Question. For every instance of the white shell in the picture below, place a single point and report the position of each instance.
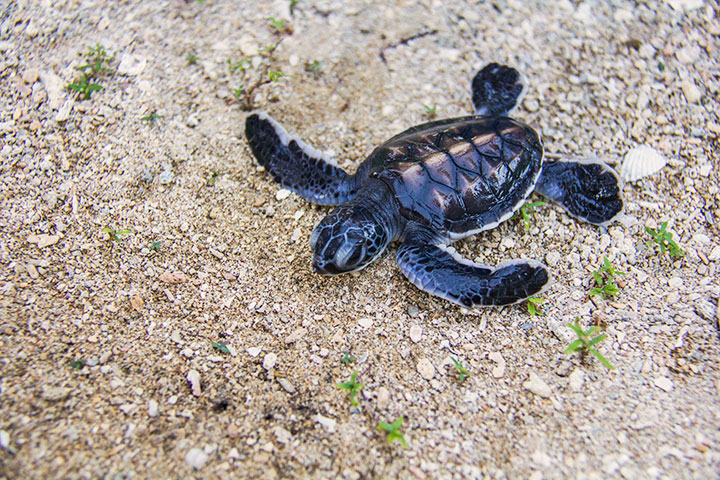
(640, 162)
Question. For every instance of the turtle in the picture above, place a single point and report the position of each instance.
(436, 183)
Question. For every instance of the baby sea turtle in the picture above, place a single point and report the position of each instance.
(436, 183)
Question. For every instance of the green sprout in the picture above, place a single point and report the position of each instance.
(150, 118)
(278, 25)
(155, 245)
(221, 347)
(96, 58)
(275, 75)
(605, 279)
(115, 234)
(210, 182)
(661, 66)
(347, 358)
(191, 58)
(241, 64)
(461, 370)
(584, 343)
(291, 7)
(393, 431)
(77, 364)
(239, 91)
(353, 387)
(664, 240)
(314, 67)
(430, 111)
(527, 210)
(532, 306)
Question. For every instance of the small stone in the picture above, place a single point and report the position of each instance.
(196, 458)
(173, 277)
(365, 322)
(30, 76)
(192, 121)
(326, 422)
(416, 333)
(286, 385)
(538, 386)
(541, 459)
(55, 88)
(153, 408)
(552, 259)
(664, 383)
(688, 55)
(64, 111)
(282, 194)
(691, 91)
(269, 361)
(131, 64)
(43, 240)
(282, 435)
(32, 271)
(714, 254)
(254, 351)
(296, 335)
(675, 282)
(413, 311)
(577, 378)
(194, 378)
(4, 439)
(532, 105)
(234, 454)
(499, 370)
(137, 303)
(383, 398)
(426, 369)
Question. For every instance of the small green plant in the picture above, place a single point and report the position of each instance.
(150, 118)
(115, 234)
(353, 386)
(278, 25)
(661, 65)
(605, 279)
(275, 75)
(527, 210)
(191, 58)
(585, 344)
(96, 59)
(241, 64)
(77, 364)
(210, 181)
(221, 347)
(239, 91)
(291, 7)
(155, 245)
(393, 431)
(430, 111)
(347, 358)
(460, 370)
(314, 67)
(533, 306)
(664, 240)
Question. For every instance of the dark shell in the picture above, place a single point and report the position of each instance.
(462, 174)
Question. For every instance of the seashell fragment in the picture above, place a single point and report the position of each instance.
(640, 162)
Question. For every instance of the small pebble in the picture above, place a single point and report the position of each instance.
(194, 378)
(691, 91)
(196, 458)
(664, 383)
(286, 385)
(499, 370)
(282, 194)
(416, 333)
(153, 408)
(426, 369)
(538, 386)
(269, 361)
(4, 439)
(577, 378)
(254, 351)
(383, 398)
(326, 422)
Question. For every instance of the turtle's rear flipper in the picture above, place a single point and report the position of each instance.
(296, 165)
(440, 271)
(496, 90)
(588, 190)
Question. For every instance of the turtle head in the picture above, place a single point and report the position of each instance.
(347, 239)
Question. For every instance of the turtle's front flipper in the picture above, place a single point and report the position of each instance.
(297, 166)
(496, 90)
(588, 190)
(439, 270)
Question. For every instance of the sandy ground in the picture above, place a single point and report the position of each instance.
(107, 364)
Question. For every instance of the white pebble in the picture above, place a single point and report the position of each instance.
(153, 408)
(552, 259)
(499, 370)
(577, 378)
(282, 194)
(365, 322)
(269, 361)
(4, 439)
(416, 333)
(196, 458)
(691, 91)
(326, 422)
(664, 383)
(426, 369)
(194, 378)
(675, 282)
(538, 386)
(254, 351)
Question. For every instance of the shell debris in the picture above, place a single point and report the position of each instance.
(640, 162)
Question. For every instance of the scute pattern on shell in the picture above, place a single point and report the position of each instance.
(460, 177)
